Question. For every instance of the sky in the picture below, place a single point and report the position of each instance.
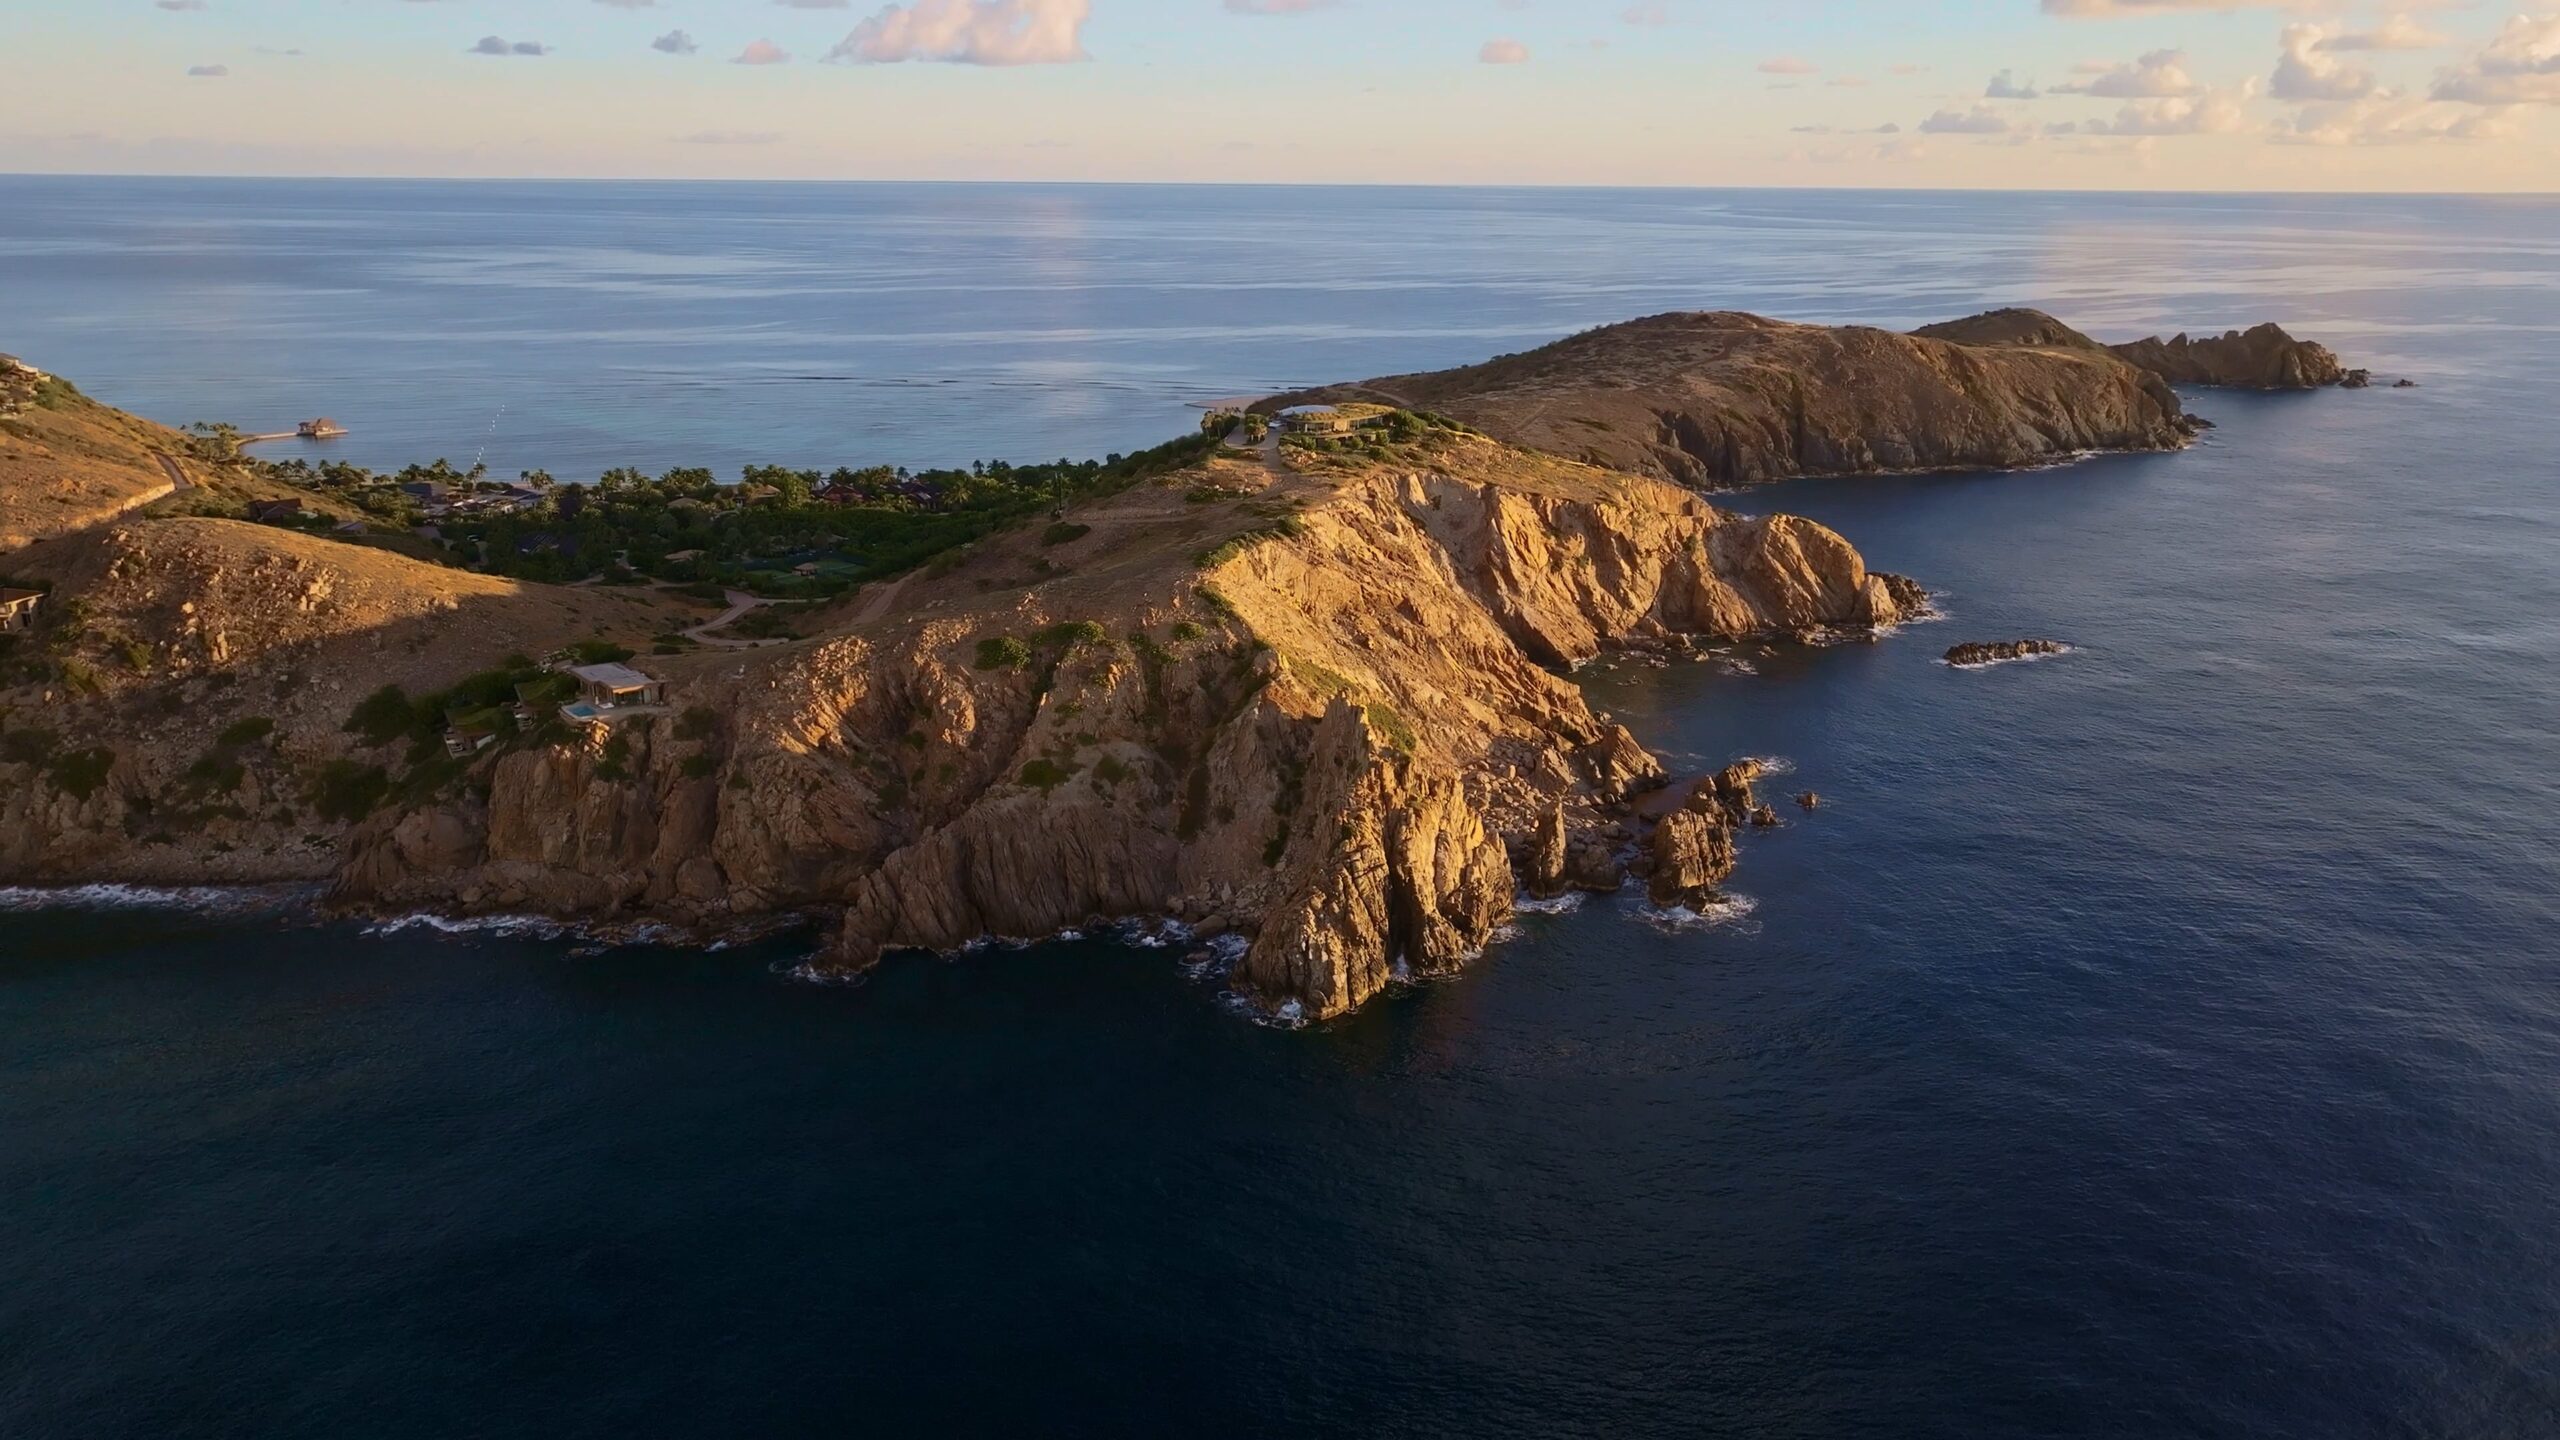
(1980, 94)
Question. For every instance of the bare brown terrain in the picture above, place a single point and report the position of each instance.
(71, 462)
(1718, 398)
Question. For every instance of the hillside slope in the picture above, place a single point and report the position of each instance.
(1721, 398)
(67, 462)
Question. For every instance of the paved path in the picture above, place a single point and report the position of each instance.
(177, 473)
(740, 602)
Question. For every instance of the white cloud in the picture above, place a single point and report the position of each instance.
(2157, 75)
(208, 72)
(971, 32)
(2213, 112)
(762, 52)
(1788, 65)
(2002, 87)
(1980, 120)
(2120, 9)
(2391, 119)
(2307, 71)
(2397, 32)
(675, 42)
(1503, 52)
(2520, 67)
(492, 45)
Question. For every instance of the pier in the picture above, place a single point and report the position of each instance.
(321, 429)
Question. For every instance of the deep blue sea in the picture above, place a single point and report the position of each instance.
(2158, 1040)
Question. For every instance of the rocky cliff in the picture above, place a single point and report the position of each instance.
(1723, 398)
(1318, 711)
(2261, 358)
(1314, 700)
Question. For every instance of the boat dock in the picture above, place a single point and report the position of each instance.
(321, 429)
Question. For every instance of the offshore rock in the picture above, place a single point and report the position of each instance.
(1977, 652)
(1692, 854)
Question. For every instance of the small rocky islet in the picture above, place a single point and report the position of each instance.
(1310, 691)
(1973, 654)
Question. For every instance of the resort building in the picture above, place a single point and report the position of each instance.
(605, 689)
(1315, 420)
(18, 609)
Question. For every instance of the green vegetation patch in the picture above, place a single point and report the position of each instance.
(79, 773)
(1398, 731)
(348, 791)
(1002, 652)
(1046, 774)
(1064, 532)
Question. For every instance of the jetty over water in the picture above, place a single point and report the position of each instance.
(323, 428)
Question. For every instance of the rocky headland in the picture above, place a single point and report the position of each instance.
(2263, 357)
(1313, 696)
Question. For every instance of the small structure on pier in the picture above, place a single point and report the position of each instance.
(323, 428)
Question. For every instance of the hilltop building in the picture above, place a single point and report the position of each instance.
(18, 609)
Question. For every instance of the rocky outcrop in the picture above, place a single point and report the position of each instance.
(1333, 740)
(1692, 853)
(2261, 358)
(1723, 398)
(1977, 652)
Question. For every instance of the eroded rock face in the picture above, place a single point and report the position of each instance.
(1330, 740)
(2261, 358)
(1692, 854)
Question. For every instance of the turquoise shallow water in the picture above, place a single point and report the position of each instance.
(2157, 1040)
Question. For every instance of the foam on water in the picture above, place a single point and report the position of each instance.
(203, 899)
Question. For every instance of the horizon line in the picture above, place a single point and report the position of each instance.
(1666, 186)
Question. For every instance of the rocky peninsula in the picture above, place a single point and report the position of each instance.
(1313, 693)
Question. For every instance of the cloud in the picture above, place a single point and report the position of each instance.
(1503, 52)
(762, 52)
(730, 137)
(2307, 72)
(1787, 65)
(2004, 88)
(2520, 67)
(1980, 120)
(492, 45)
(971, 32)
(208, 72)
(181, 4)
(675, 42)
(2120, 9)
(1646, 12)
(2391, 119)
(2211, 112)
(1278, 7)
(2157, 75)
(2398, 32)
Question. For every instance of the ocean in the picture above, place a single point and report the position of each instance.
(2161, 1039)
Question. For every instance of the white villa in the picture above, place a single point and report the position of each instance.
(604, 689)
